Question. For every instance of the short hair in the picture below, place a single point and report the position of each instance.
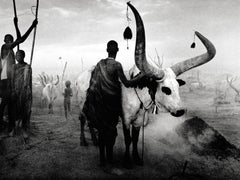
(112, 46)
(21, 52)
(9, 36)
(67, 83)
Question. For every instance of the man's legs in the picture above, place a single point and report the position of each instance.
(2, 108)
(4, 100)
(65, 108)
(69, 107)
(110, 141)
(82, 119)
(25, 115)
(25, 121)
(102, 144)
(11, 116)
(109, 148)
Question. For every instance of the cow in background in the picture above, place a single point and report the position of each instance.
(49, 92)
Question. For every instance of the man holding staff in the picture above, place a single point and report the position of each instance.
(6, 63)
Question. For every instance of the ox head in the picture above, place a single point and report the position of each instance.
(48, 82)
(167, 87)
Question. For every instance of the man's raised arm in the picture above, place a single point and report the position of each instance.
(128, 83)
(24, 37)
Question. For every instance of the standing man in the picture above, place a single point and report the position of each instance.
(6, 63)
(103, 107)
(21, 87)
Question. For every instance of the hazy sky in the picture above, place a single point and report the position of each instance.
(75, 29)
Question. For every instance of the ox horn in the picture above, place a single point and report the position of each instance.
(45, 79)
(188, 64)
(140, 54)
(42, 81)
(56, 83)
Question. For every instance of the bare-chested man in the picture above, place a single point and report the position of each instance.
(6, 63)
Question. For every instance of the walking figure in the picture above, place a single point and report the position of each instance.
(67, 99)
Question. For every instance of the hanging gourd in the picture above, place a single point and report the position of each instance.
(193, 44)
(127, 34)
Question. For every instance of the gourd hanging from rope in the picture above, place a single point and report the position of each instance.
(127, 32)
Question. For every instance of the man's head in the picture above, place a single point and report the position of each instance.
(8, 38)
(20, 55)
(68, 83)
(112, 48)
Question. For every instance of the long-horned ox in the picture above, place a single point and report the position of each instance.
(161, 88)
(49, 92)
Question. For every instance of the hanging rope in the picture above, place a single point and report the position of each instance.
(193, 45)
(143, 135)
(34, 33)
(127, 16)
(32, 7)
(145, 110)
(128, 32)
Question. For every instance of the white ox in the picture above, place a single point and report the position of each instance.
(162, 85)
(49, 92)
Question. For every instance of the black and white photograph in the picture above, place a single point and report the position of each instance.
(119, 89)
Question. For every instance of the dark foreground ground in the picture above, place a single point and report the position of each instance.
(54, 152)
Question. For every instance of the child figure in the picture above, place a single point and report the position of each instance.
(67, 98)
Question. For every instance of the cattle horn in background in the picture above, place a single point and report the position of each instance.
(42, 81)
(45, 79)
(188, 64)
(57, 81)
(140, 54)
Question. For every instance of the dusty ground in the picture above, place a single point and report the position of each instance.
(54, 152)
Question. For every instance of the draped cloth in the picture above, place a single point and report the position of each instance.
(5, 74)
(103, 101)
(22, 91)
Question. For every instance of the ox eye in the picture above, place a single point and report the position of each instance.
(166, 90)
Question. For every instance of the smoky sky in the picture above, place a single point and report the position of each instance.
(80, 29)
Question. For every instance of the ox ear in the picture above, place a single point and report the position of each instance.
(181, 82)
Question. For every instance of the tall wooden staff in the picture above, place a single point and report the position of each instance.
(34, 34)
(64, 69)
(15, 15)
